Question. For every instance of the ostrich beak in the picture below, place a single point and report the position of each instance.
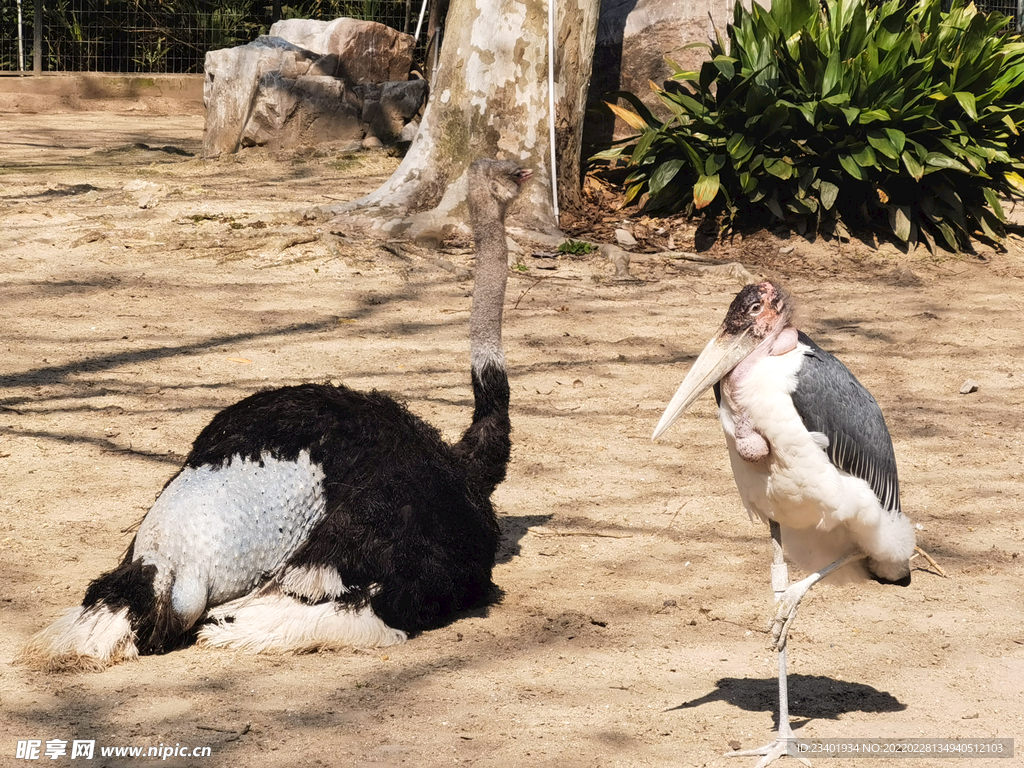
(723, 353)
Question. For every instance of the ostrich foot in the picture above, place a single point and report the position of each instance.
(769, 753)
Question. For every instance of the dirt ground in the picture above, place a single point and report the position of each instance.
(144, 288)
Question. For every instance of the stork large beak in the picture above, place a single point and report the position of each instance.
(723, 353)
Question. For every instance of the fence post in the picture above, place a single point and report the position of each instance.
(37, 38)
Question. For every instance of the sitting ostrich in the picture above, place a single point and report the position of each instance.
(316, 516)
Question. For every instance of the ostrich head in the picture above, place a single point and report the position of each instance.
(493, 185)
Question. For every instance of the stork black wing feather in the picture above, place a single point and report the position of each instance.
(830, 400)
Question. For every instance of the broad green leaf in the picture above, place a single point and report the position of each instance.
(897, 137)
(865, 157)
(939, 160)
(851, 114)
(778, 167)
(664, 175)
(968, 102)
(739, 148)
(993, 202)
(691, 104)
(948, 235)
(833, 75)
(881, 142)
(914, 166)
(869, 116)
(714, 164)
(828, 192)
(725, 65)
(852, 167)
(705, 190)
(643, 146)
(696, 162)
(988, 230)
(899, 220)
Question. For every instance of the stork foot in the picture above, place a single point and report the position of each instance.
(769, 753)
(785, 611)
(787, 600)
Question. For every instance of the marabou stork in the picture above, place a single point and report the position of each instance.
(811, 456)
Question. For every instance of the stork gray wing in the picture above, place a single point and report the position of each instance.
(830, 400)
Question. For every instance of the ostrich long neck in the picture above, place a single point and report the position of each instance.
(485, 447)
(489, 288)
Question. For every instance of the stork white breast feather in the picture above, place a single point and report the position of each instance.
(797, 483)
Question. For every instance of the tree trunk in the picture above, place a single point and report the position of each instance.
(574, 54)
(490, 99)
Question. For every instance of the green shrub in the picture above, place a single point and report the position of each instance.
(576, 247)
(900, 116)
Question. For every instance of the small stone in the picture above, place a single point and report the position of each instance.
(372, 142)
(409, 132)
(624, 238)
(968, 387)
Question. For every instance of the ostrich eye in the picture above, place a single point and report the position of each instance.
(755, 309)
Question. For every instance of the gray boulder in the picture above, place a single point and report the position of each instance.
(363, 51)
(311, 82)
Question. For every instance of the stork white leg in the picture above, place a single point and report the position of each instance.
(769, 753)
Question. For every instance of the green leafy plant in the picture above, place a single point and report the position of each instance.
(900, 116)
(576, 247)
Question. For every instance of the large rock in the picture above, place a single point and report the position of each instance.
(390, 107)
(308, 109)
(233, 79)
(332, 81)
(364, 51)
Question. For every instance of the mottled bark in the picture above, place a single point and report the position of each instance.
(490, 99)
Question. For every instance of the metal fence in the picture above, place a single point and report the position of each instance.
(1012, 8)
(158, 36)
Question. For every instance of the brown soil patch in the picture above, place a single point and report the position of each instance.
(632, 629)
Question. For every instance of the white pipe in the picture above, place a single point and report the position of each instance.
(551, 104)
(419, 24)
(21, 44)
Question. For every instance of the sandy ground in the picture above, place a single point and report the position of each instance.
(145, 288)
